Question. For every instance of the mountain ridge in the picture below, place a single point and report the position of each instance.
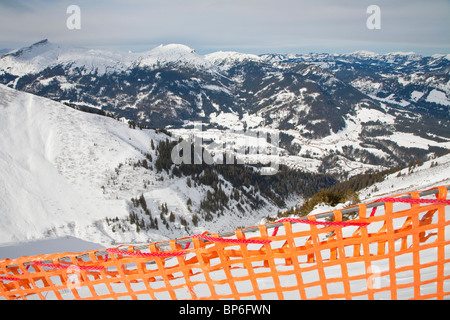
(308, 98)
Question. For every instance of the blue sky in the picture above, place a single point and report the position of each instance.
(252, 26)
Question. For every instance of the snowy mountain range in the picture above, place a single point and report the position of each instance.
(356, 111)
(102, 179)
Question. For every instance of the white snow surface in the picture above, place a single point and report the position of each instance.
(432, 173)
(438, 97)
(53, 162)
(172, 53)
(45, 246)
(40, 56)
(230, 57)
(64, 172)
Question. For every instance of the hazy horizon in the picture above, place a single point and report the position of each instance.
(250, 26)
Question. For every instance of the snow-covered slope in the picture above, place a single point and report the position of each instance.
(45, 54)
(432, 173)
(70, 173)
(226, 59)
(53, 161)
(418, 177)
(177, 54)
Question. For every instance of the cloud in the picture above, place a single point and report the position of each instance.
(13, 5)
(252, 25)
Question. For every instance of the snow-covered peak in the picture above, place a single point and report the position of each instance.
(172, 48)
(44, 54)
(390, 57)
(172, 53)
(230, 57)
(373, 55)
(364, 54)
(33, 50)
(441, 56)
(30, 59)
(400, 53)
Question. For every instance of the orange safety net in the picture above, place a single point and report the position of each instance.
(401, 252)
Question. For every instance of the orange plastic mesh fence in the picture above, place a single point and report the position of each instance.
(403, 253)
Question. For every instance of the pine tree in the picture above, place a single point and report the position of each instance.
(195, 220)
(142, 202)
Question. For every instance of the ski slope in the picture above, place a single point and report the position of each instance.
(64, 172)
(432, 173)
(54, 160)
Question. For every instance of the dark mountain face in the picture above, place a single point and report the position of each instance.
(157, 98)
(300, 95)
(402, 80)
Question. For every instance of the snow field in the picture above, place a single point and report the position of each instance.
(54, 161)
(64, 172)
